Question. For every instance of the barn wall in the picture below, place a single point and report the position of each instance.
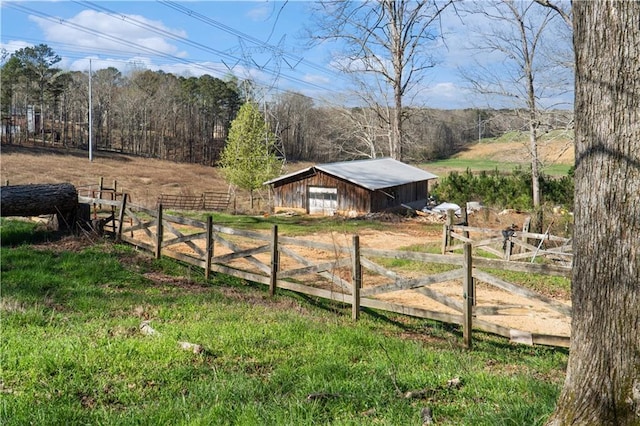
(293, 194)
(402, 194)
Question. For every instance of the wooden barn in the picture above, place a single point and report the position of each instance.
(351, 187)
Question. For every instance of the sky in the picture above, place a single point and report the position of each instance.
(260, 40)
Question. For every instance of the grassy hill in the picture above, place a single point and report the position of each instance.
(555, 151)
(92, 335)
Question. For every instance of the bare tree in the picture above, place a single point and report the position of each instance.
(521, 72)
(385, 51)
(602, 385)
(105, 85)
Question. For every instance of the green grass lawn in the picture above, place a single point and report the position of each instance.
(480, 164)
(72, 351)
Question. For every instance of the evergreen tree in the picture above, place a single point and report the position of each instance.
(249, 157)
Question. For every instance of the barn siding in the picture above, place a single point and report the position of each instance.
(293, 194)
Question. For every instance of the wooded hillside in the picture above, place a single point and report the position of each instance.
(186, 119)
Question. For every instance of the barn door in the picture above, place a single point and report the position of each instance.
(323, 200)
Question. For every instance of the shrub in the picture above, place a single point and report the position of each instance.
(494, 189)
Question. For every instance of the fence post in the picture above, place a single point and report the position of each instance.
(123, 206)
(468, 296)
(357, 279)
(446, 230)
(159, 232)
(525, 228)
(209, 250)
(274, 261)
(508, 249)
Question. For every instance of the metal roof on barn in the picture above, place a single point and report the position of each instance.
(372, 174)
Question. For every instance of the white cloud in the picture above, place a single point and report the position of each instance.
(12, 45)
(316, 79)
(260, 13)
(90, 29)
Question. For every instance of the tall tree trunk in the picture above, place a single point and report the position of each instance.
(535, 163)
(602, 385)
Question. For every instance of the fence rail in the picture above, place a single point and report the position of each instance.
(509, 244)
(210, 200)
(457, 292)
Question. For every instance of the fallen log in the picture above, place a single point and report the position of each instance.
(38, 199)
(60, 199)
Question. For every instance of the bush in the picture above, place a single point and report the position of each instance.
(494, 189)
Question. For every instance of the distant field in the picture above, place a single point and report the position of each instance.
(555, 151)
(443, 167)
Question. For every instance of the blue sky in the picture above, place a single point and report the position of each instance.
(258, 40)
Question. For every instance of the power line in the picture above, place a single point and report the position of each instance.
(158, 53)
(249, 38)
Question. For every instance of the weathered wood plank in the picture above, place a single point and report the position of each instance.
(141, 209)
(102, 201)
(242, 233)
(138, 243)
(236, 248)
(468, 297)
(188, 241)
(319, 267)
(412, 255)
(356, 277)
(521, 291)
(330, 247)
(455, 247)
(463, 228)
(411, 311)
(534, 268)
(491, 250)
(139, 225)
(461, 237)
(195, 261)
(412, 283)
(185, 221)
(241, 254)
(184, 238)
(334, 279)
(238, 273)
(520, 234)
(496, 310)
(316, 292)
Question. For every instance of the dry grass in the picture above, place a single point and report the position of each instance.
(552, 149)
(143, 179)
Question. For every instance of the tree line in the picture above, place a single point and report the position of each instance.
(187, 119)
(140, 112)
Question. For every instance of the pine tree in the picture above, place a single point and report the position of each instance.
(249, 157)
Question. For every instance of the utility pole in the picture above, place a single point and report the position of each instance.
(90, 117)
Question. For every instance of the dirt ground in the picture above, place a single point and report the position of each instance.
(145, 179)
(518, 313)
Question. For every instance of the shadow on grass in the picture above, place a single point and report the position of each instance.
(61, 151)
(17, 232)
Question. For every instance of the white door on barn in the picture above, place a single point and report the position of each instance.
(323, 200)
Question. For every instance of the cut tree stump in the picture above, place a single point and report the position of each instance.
(60, 199)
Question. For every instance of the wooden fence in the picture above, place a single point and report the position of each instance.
(102, 201)
(210, 200)
(447, 288)
(509, 244)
